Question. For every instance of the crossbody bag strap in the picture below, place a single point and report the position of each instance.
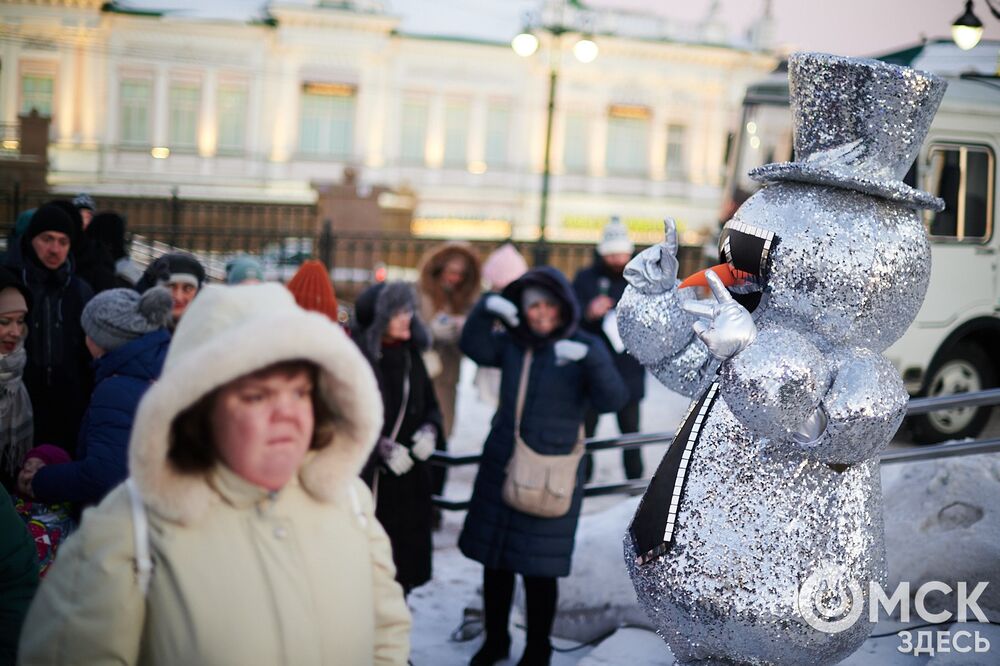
(397, 425)
(140, 535)
(522, 389)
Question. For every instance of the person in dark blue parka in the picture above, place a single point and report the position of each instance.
(127, 335)
(598, 288)
(571, 370)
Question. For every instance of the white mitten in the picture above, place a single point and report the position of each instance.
(424, 440)
(395, 456)
(568, 351)
(504, 309)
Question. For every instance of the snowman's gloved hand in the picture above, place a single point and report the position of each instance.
(568, 351)
(811, 429)
(504, 309)
(424, 440)
(654, 270)
(724, 325)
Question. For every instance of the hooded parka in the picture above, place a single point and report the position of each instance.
(302, 575)
(556, 399)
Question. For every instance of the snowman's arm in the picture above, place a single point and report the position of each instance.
(776, 384)
(659, 334)
(864, 408)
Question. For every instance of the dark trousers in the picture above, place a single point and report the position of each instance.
(540, 596)
(628, 422)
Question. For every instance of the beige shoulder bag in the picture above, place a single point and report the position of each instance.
(536, 484)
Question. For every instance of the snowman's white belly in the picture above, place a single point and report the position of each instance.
(752, 525)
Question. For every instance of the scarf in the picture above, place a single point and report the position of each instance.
(16, 426)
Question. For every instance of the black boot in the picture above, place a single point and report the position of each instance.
(536, 654)
(492, 651)
(498, 592)
(540, 596)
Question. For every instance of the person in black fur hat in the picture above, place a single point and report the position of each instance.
(392, 337)
(179, 272)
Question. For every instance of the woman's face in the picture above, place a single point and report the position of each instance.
(398, 329)
(543, 317)
(263, 425)
(12, 330)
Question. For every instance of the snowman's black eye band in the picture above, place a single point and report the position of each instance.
(746, 248)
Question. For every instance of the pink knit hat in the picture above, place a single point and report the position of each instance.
(50, 454)
(504, 265)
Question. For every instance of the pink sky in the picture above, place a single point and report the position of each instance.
(847, 27)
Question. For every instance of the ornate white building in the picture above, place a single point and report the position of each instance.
(143, 102)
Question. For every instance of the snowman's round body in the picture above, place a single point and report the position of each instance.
(766, 511)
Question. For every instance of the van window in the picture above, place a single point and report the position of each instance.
(963, 177)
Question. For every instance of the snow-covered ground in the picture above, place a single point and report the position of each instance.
(438, 607)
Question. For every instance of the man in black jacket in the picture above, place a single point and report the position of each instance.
(57, 375)
(598, 288)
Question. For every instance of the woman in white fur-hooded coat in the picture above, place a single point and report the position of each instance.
(243, 574)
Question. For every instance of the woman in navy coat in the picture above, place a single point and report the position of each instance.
(571, 370)
(127, 335)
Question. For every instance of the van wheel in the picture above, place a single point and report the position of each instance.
(965, 369)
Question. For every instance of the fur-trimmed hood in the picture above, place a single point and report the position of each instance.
(229, 332)
(375, 308)
(464, 297)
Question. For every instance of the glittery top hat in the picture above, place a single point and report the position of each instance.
(859, 125)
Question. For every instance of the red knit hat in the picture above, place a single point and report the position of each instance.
(313, 290)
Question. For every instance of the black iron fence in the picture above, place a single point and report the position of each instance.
(891, 457)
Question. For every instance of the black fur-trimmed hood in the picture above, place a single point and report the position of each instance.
(375, 308)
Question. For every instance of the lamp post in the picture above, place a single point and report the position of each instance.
(967, 29)
(525, 45)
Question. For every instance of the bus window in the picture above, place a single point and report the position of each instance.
(963, 177)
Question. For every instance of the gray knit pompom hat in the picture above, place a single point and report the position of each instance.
(118, 316)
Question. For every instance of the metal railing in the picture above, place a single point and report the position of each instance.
(634, 441)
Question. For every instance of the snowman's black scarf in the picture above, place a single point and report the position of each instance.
(652, 528)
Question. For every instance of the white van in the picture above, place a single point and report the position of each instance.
(953, 345)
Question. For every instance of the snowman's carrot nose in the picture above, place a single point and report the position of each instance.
(724, 272)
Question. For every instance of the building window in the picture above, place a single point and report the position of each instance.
(36, 93)
(231, 116)
(184, 102)
(676, 167)
(456, 133)
(628, 141)
(497, 136)
(413, 131)
(134, 98)
(963, 177)
(326, 127)
(575, 144)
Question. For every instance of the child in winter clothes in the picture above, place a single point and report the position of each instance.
(49, 524)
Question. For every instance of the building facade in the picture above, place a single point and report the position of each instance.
(270, 109)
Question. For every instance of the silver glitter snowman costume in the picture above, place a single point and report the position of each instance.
(762, 527)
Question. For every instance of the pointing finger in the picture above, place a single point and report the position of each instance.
(718, 288)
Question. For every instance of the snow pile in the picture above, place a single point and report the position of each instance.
(942, 523)
(598, 596)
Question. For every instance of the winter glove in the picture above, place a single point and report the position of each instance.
(724, 325)
(395, 456)
(568, 351)
(504, 309)
(423, 442)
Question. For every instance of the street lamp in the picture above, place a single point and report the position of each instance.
(967, 29)
(585, 50)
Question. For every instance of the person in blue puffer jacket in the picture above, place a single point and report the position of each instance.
(127, 336)
(570, 371)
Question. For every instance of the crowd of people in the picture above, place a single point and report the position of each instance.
(154, 426)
